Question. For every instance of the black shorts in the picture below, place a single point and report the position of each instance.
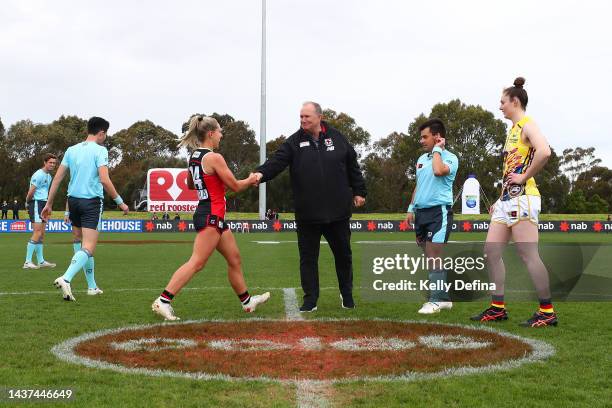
(85, 212)
(34, 209)
(433, 224)
(202, 218)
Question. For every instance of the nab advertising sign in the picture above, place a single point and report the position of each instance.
(167, 191)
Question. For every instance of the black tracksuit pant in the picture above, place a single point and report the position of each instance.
(338, 235)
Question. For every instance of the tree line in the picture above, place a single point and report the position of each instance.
(571, 182)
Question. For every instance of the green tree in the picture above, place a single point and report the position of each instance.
(278, 191)
(553, 185)
(135, 150)
(596, 181)
(596, 205)
(389, 172)
(576, 203)
(578, 160)
(345, 124)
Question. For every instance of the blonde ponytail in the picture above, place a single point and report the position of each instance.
(199, 126)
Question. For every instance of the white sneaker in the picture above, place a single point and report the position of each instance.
(256, 300)
(94, 291)
(164, 310)
(60, 283)
(445, 305)
(30, 265)
(429, 308)
(45, 264)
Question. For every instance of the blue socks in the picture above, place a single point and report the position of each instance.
(89, 267)
(39, 252)
(89, 273)
(78, 261)
(31, 248)
(438, 276)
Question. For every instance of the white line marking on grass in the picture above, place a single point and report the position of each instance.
(411, 241)
(312, 394)
(65, 351)
(292, 311)
(309, 394)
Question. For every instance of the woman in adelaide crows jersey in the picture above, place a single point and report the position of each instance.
(209, 175)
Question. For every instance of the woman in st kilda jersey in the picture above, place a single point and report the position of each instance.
(209, 175)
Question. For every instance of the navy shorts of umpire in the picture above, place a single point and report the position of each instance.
(433, 224)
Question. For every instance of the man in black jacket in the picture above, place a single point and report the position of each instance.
(325, 179)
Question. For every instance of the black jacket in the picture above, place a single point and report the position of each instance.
(324, 176)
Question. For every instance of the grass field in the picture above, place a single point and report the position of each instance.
(34, 319)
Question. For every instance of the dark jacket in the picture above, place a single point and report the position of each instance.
(324, 176)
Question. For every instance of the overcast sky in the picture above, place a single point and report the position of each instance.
(382, 62)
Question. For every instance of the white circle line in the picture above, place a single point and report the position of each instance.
(66, 351)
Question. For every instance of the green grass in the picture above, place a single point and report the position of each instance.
(356, 216)
(132, 276)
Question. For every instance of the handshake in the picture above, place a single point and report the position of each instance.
(254, 179)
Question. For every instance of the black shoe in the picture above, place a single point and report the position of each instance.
(307, 308)
(541, 319)
(492, 314)
(347, 301)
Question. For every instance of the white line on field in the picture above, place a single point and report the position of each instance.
(309, 394)
(312, 394)
(292, 311)
(53, 292)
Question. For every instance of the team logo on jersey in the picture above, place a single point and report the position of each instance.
(420, 166)
(196, 154)
(328, 142)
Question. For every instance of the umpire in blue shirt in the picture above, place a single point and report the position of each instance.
(325, 180)
(430, 207)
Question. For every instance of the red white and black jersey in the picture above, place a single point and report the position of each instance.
(210, 188)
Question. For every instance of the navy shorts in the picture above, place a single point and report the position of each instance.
(433, 224)
(85, 212)
(202, 218)
(34, 209)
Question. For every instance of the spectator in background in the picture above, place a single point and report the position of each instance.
(154, 217)
(166, 216)
(15, 210)
(5, 208)
(177, 217)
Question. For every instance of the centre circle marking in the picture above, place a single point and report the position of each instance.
(322, 350)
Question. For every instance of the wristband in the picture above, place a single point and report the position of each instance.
(437, 149)
(118, 200)
(410, 208)
(66, 213)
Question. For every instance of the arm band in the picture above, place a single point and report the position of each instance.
(411, 208)
(66, 213)
(118, 200)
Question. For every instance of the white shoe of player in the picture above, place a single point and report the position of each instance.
(256, 300)
(45, 264)
(429, 308)
(164, 310)
(60, 283)
(30, 265)
(445, 305)
(94, 291)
